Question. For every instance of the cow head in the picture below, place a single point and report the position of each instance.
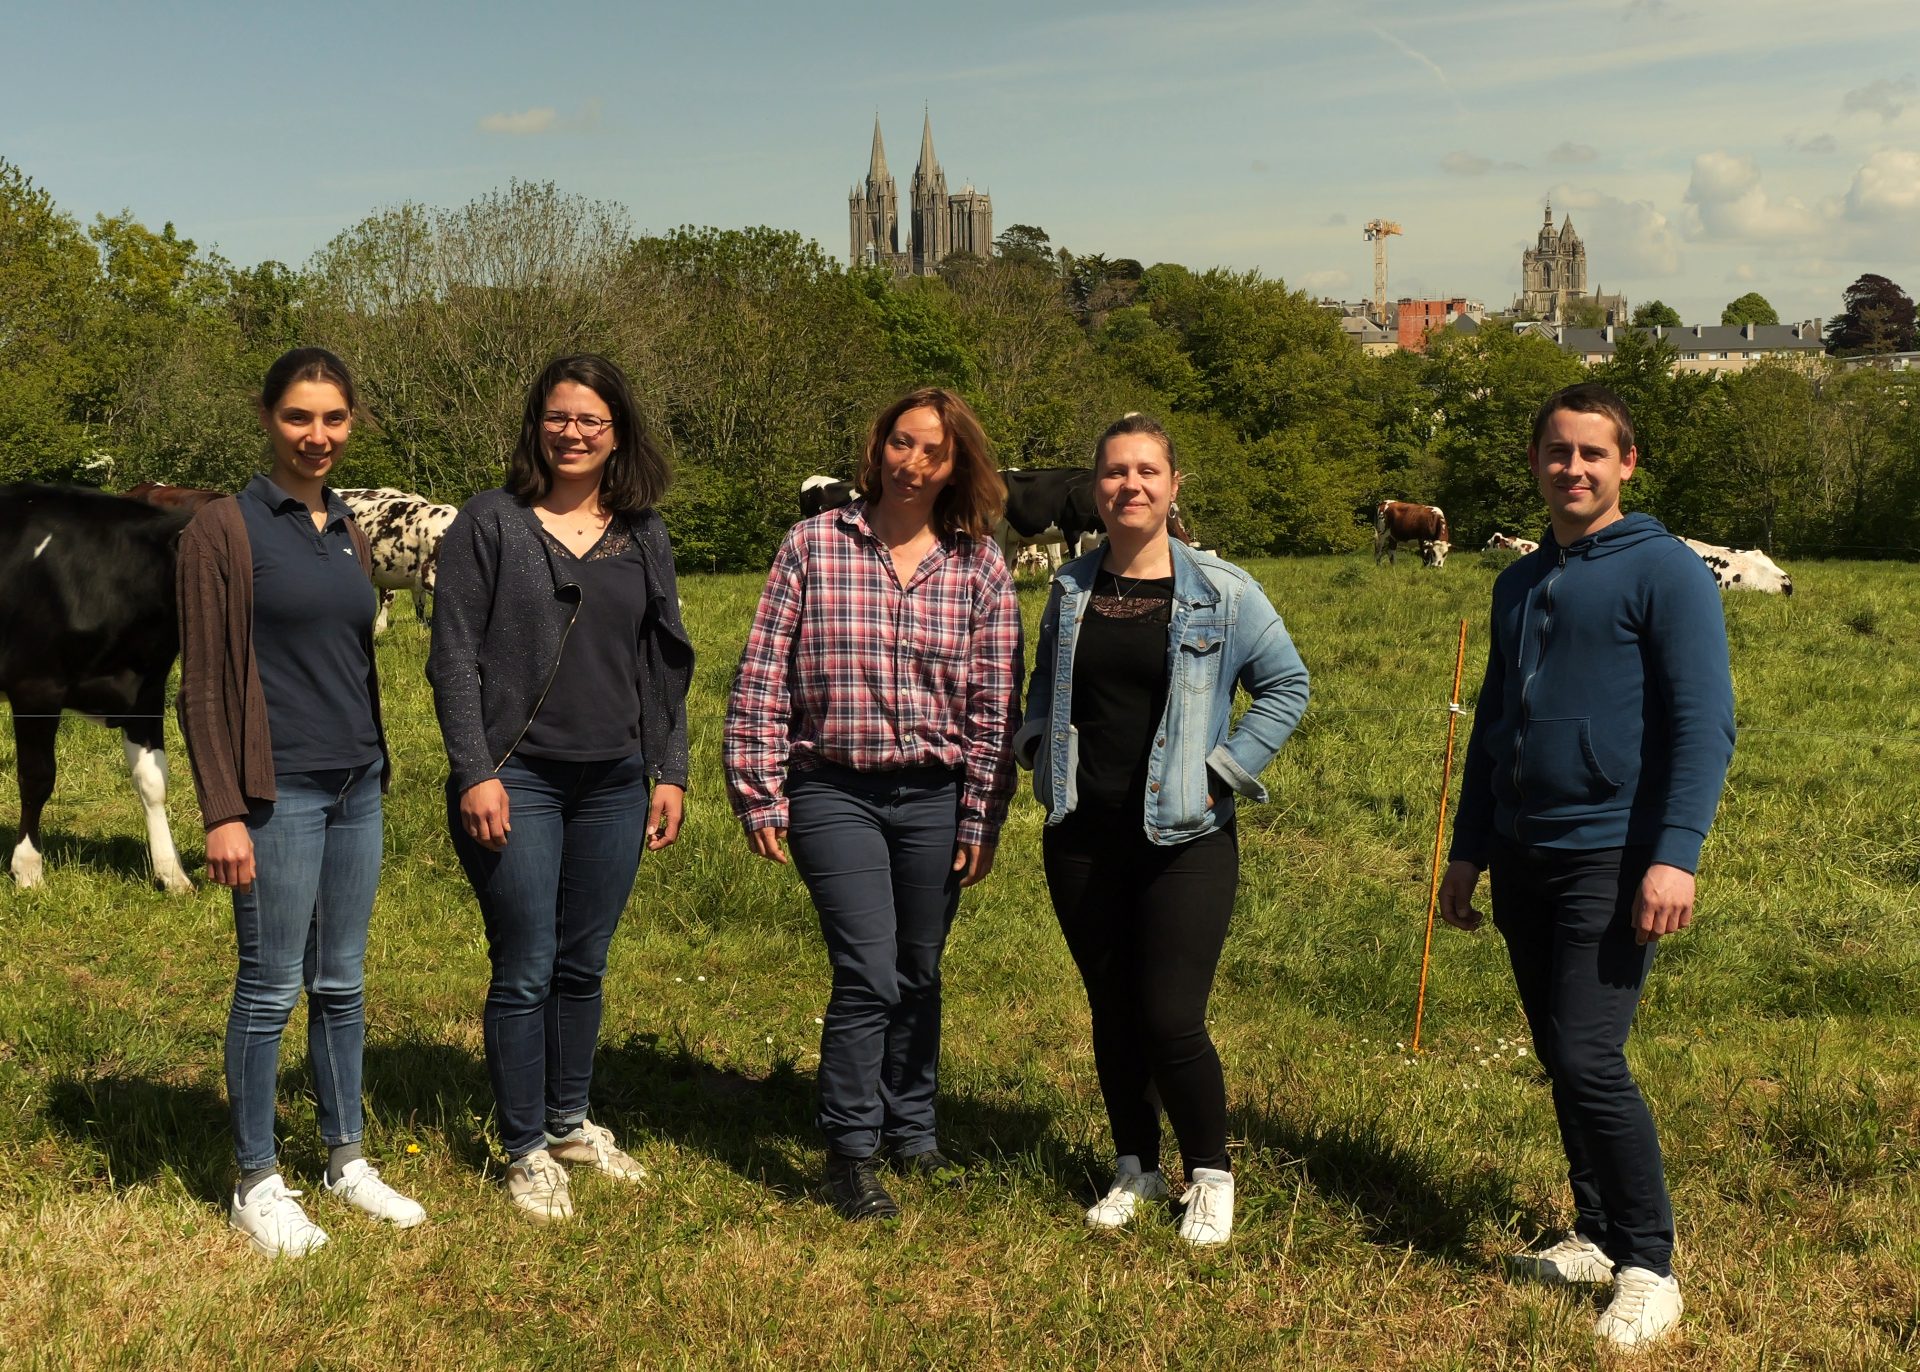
(1433, 551)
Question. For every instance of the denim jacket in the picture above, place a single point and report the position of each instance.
(1222, 632)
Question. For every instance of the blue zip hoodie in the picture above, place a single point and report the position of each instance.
(1606, 715)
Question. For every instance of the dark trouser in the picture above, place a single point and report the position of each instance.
(1145, 925)
(876, 852)
(1567, 917)
(551, 900)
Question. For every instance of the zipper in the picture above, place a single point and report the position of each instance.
(1526, 683)
(551, 674)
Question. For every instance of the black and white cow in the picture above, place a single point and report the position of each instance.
(403, 536)
(1519, 545)
(1742, 569)
(819, 493)
(88, 624)
(1054, 504)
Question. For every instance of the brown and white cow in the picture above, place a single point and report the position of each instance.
(1399, 521)
(164, 497)
(1742, 569)
(1513, 541)
(403, 536)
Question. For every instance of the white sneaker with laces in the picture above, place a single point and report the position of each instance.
(273, 1221)
(1643, 1308)
(592, 1146)
(1130, 1187)
(1208, 1218)
(1575, 1258)
(360, 1186)
(537, 1185)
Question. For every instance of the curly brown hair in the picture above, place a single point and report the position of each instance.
(975, 495)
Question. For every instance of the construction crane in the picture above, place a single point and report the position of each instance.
(1378, 231)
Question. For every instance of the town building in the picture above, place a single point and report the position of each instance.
(1415, 319)
(939, 224)
(1698, 347)
(1553, 278)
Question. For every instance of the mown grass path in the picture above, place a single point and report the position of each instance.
(1779, 1041)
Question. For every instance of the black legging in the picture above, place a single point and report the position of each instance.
(1145, 925)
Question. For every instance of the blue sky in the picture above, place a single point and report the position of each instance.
(1703, 147)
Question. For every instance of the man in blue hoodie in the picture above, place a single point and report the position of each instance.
(1600, 744)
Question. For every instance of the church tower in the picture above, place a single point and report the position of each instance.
(938, 224)
(874, 218)
(931, 227)
(1553, 273)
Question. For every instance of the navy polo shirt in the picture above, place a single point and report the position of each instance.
(313, 609)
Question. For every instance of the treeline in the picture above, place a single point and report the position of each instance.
(128, 354)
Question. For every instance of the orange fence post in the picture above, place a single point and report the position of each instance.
(1440, 833)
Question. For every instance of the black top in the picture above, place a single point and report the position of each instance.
(592, 710)
(313, 610)
(1120, 686)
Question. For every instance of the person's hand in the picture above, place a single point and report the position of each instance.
(973, 861)
(483, 814)
(766, 843)
(230, 855)
(1663, 904)
(668, 808)
(1456, 896)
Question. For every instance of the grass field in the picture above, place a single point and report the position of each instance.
(1779, 1041)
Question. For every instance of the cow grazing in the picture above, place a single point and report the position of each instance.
(164, 497)
(1398, 521)
(1513, 541)
(403, 537)
(88, 623)
(1742, 569)
(819, 493)
(1054, 504)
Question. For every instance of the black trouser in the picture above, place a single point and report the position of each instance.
(1145, 925)
(1567, 917)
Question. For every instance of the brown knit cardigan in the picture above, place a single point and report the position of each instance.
(222, 708)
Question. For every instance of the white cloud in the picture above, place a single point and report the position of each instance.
(1570, 152)
(1887, 187)
(1819, 144)
(1744, 273)
(1624, 238)
(1726, 201)
(1330, 281)
(1886, 98)
(538, 120)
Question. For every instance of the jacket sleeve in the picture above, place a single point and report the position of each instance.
(676, 657)
(1473, 819)
(1276, 679)
(760, 706)
(993, 701)
(1033, 727)
(1687, 628)
(465, 578)
(201, 588)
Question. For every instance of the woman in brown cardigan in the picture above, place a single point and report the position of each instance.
(281, 712)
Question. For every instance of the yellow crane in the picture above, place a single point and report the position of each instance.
(1378, 231)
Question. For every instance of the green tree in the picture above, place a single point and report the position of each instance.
(1751, 308)
(48, 302)
(1656, 313)
(1025, 245)
(1878, 317)
(1585, 313)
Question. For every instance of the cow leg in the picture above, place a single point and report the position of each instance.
(380, 620)
(147, 764)
(1382, 545)
(33, 736)
(420, 601)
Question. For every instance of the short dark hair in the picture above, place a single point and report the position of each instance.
(636, 473)
(305, 364)
(1586, 397)
(975, 495)
(1134, 422)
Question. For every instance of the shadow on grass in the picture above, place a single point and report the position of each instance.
(122, 855)
(143, 1129)
(415, 1084)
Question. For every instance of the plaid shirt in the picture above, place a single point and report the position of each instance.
(845, 665)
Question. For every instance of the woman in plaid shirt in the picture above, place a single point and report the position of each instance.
(870, 728)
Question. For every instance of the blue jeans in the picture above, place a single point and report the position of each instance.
(316, 852)
(551, 900)
(1567, 917)
(876, 852)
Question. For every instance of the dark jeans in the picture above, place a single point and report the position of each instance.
(1145, 925)
(316, 854)
(1567, 918)
(876, 852)
(551, 900)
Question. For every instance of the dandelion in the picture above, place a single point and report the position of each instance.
(769, 1038)
(413, 1148)
(1519, 1052)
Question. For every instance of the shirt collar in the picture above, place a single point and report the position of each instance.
(266, 490)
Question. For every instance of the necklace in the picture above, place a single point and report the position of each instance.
(593, 521)
(1130, 590)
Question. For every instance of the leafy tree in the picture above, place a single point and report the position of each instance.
(1656, 313)
(1585, 313)
(48, 272)
(1668, 409)
(1751, 308)
(1878, 318)
(1025, 245)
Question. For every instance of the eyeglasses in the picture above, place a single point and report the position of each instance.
(590, 425)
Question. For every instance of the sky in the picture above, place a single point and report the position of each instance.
(1704, 148)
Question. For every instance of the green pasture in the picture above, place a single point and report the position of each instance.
(1779, 1041)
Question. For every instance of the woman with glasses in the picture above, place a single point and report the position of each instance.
(560, 671)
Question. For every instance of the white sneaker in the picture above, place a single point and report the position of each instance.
(537, 1185)
(1574, 1259)
(592, 1146)
(1208, 1218)
(1643, 1308)
(1130, 1187)
(360, 1186)
(273, 1221)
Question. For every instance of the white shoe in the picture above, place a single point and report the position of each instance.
(1208, 1218)
(1130, 1187)
(1574, 1259)
(360, 1186)
(537, 1185)
(273, 1221)
(592, 1146)
(1643, 1308)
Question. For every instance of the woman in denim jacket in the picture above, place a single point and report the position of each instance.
(1137, 762)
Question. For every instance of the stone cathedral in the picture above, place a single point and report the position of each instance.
(1553, 276)
(938, 224)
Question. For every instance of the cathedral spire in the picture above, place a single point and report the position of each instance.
(929, 164)
(877, 164)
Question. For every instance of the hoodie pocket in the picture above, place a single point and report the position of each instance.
(1559, 768)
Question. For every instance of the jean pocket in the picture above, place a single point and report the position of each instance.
(1559, 767)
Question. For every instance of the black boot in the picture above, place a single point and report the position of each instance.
(854, 1186)
(932, 1164)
